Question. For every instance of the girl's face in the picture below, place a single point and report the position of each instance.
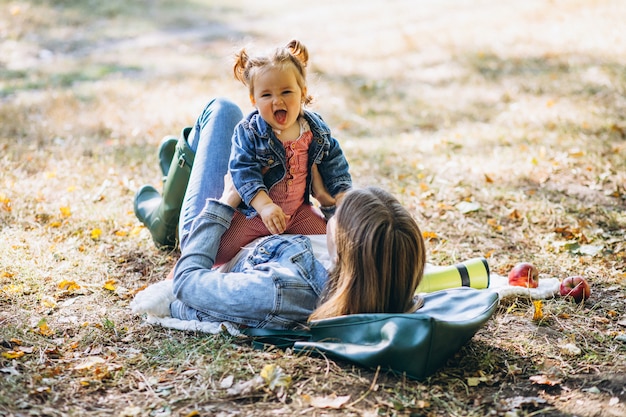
(278, 97)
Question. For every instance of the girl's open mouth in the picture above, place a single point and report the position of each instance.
(280, 116)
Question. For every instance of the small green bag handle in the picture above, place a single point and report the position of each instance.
(276, 337)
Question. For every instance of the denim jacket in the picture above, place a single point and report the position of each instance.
(257, 159)
(277, 285)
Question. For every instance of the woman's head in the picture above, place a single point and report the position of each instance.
(276, 82)
(379, 256)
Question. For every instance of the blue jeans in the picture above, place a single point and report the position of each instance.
(210, 139)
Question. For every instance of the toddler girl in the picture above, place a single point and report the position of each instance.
(274, 149)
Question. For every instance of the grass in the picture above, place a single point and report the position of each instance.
(515, 107)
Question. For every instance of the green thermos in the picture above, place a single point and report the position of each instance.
(472, 273)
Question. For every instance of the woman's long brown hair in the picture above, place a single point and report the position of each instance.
(380, 257)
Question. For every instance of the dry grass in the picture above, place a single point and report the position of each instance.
(516, 106)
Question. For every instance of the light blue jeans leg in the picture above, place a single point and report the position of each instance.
(211, 139)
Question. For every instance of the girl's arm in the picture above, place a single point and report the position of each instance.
(244, 166)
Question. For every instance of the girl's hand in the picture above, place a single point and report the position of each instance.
(230, 196)
(274, 218)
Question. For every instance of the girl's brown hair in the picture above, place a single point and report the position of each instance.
(380, 257)
(294, 54)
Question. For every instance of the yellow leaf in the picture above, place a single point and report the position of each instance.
(5, 202)
(429, 235)
(51, 174)
(71, 188)
(109, 285)
(121, 233)
(48, 303)
(65, 211)
(274, 376)
(13, 354)
(44, 329)
(538, 314)
(55, 224)
(136, 230)
(96, 233)
(68, 285)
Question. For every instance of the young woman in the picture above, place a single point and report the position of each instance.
(373, 260)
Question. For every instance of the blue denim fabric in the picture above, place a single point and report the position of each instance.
(255, 147)
(276, 286)
(210, 139)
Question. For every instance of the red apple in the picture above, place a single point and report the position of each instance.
(576, 287)
(524, 274)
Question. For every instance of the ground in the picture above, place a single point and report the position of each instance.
(517, 108)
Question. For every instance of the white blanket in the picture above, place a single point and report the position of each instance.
(154, 302)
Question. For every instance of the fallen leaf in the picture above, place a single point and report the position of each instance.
(331, 401)
(429, 235)
(544, 380)
(90, 362)
(96, 233)
(570, 349)
(109, 285)
(274, 376)
(10, 371)
(65, 211)
(12, 354)
(538, 313)
(227, 382)
(474, 381)
(68, 285)
(467, 207)
(246, 387)
(43, 328)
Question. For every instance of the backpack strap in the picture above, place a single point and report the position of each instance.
(282, 339)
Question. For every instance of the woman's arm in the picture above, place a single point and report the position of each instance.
(334, 170)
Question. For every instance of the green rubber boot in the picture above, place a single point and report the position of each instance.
(167, 149)
(160, 214)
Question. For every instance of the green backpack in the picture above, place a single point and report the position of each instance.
(415, 344)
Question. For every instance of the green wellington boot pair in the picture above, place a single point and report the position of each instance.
(160, 213)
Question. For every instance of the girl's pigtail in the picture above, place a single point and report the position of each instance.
(299, 51)
(239, 68)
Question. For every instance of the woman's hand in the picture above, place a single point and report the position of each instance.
(319, 190)
(230, 196)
